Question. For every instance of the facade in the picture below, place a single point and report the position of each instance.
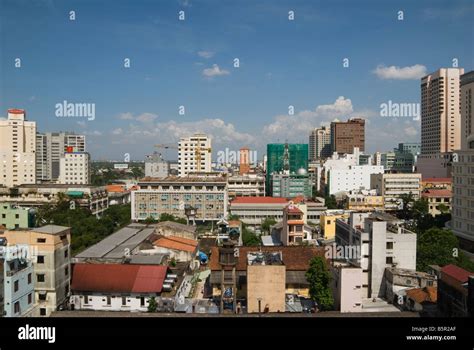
(74, 168)
(345, 136)
(173, 195)
(249, 185)
(392, 186)
(347, 287)
(12, 217)
(244, 161)
(156, 166)
(17, 149)
(285, 157)
(455, 289)
(327, 222)
(291, 185)
(52, 266)
(17, 289)
(320, 144)
(194, 154)
(254, 210)
(435, 165)
(436, 200)
(376, 241)
(437, 183)
(295, 230)
(116, 287)
(440, 111)
(94, 198)
(355, 177)
(463, 169)
(364, 200)
(410, 147)
(50, 148)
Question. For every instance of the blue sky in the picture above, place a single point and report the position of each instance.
(190, 63)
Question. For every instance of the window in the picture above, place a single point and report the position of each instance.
(30, 298)
(388, 260)
(40, 259)
(42, 296)
(66, 271)
(29, 278)
(142, 301)
(43, 311)
(429, 283)
(15, 286)
(40, 277)
(109, 300)
(17, 307)
(389, 245)
(66, 253)
(124, 301)
(41, 240)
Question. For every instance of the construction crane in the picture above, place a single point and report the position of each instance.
(197, 152)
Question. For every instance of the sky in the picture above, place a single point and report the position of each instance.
(190, 63)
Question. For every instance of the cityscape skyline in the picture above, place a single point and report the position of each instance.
(193, 67)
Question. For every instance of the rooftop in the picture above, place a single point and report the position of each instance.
(118, 278)
(456, 272)
(264, 258)
(177, 243)
(437, 193)
(185, 179)
(176, 226)
(51, 229)
(437, 179)
(421, 295)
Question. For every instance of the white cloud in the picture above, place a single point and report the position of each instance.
(143, 118)
(411, 131)
(93, 133)
(214, 71)
(400, 73)
(205, 54)
(32, 98)
(81, 123)
(126, 116)
(117, 131)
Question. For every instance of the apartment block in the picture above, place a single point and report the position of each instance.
(52, 266)
(249, 185)
(13, 216)
(17, 149)
(75, 168)
(347, 135)
(194, 154)
(291, 185)
(320, 144)
(156, 166)
(208, 196)
(354, 177)
(392, 186)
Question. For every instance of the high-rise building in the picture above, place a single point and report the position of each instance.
(345, 136)
(320, 143)
(194, 154)
(50, 148)
(290, 157)
(17, 149)
(440, 112)
(156, 166)
(244, 161)
(463, 169)
(411, 147)
(74, 168)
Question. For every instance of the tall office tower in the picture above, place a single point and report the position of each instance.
(194, 154)
(440, 112)
(17, 149)
(347, 135)
(244, 161)
(50, 148)
(463, 166)
(74, 168)
(320, 143)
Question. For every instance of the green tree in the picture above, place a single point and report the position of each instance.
(249, 238)
(330, 202)
(138, 172)
(267, 223)
(150, 220)
(152, 305)
(407, 201)
(436, 247)
(443, 208)
(319, 279)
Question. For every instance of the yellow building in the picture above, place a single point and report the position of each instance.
(360, 202)
(327, 222)
(437, 198)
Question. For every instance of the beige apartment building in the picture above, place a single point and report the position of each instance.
(345, 136)
(440, 112)
(463, 169)
(75, 168)
(392, 186)
(52, 264)
(17, 149)
(320, 144)
(194, 154)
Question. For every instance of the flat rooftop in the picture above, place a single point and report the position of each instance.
(185, 179)
(51, 229)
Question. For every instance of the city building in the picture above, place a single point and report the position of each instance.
(244, 161)
(194, 154)
(52, 266)
(439, 201)
(364, 200)
(17, 288)
(248, 185)
(291, 185)
(345, 136)
(462, 222)
(294, 230)
(116, 287)
(178, 248)
(253, 211)
(17, 149)
(435, 165)
(74, 168)
(410, 147)
(171, 228)
(327, 222)
(320, 144)
(373, 242)
(12, 217)
(392, 186)
(208, 196)
(50, 148)
(354, 177)
(119, 194)
(455, 292)
(436, 183)
(285, 158)
(156, 166)
(440, 111)
(347, 287)
(93, 198)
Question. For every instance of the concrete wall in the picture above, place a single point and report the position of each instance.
(268, 283)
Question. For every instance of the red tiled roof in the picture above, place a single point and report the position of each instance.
(437, 179)
(116, 188)
(259, 200)
(295, 258)
(421, 295)
(291, 209)
(118, 278)
(437, 193)
(456, 272)
(16, 111)
(177, 243)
